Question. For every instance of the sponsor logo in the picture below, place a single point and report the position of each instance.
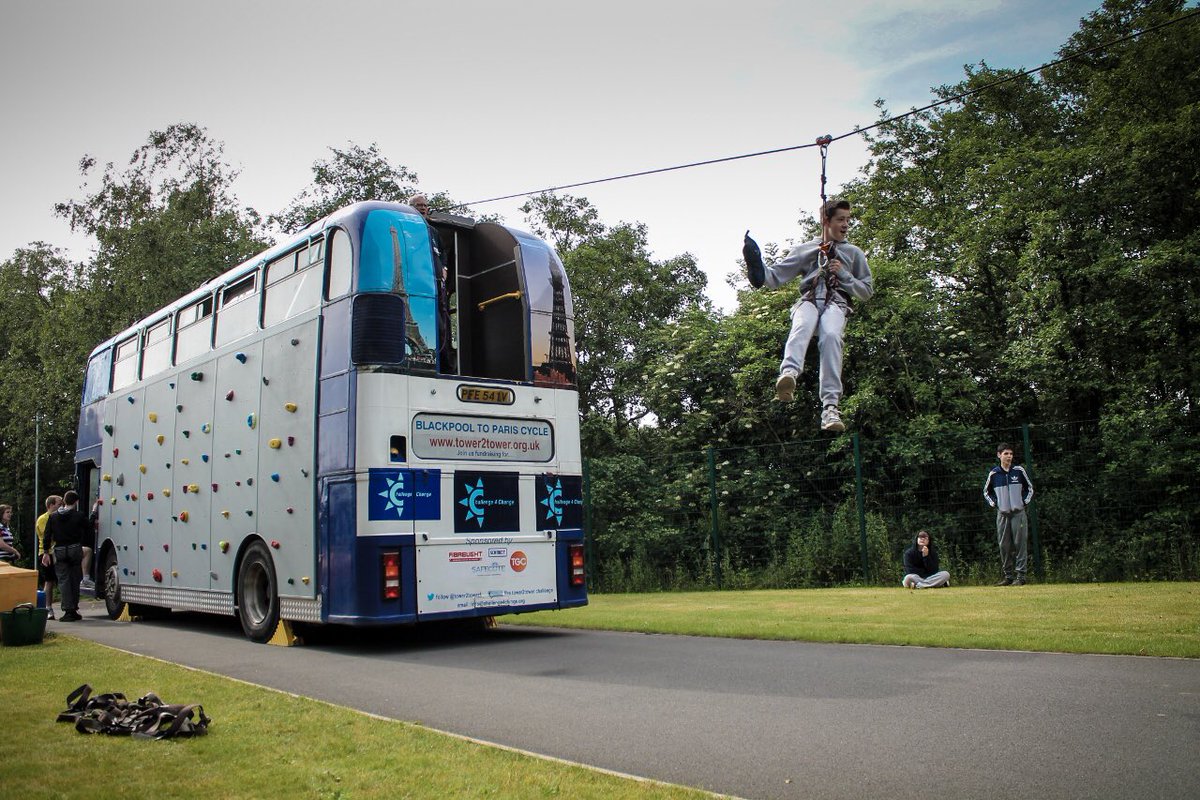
(396, 494)
(518, 561)
(486, 394)
(466, 555)
(497, 552)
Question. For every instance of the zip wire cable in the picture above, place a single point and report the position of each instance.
(857, 131)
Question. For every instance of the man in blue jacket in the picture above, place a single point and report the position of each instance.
(1009, 490)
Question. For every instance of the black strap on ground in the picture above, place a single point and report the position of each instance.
(147, 718)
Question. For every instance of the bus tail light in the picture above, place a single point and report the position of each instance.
(575, 557)
(391, 576)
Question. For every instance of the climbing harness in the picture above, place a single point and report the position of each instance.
(826, 252)
(147, 718)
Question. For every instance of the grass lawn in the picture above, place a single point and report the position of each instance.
(1149, 619)
(261, 743)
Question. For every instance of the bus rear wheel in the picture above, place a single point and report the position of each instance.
(258, 596)
(110, 586)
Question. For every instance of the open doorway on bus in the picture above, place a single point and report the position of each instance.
(87, 483)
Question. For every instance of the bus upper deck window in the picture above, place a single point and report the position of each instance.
(125, 364)
(339, 265)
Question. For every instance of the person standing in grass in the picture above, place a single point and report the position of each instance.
(49, 576)
(921, 567)
(66, 530)
(1009, 490)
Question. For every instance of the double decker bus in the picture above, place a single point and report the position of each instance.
(324, 434)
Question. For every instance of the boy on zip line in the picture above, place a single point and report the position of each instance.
(831, 271)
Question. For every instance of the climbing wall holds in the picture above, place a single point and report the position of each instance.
(166, 548)
(106, 478)
(206, 428)
(186, 434)
(193, 545)
(266, 381)
(178, 407)
(149, 495)
(204, 457)
(239, 452)
(137, 447)
(240, 357)
(229, 395)
(197, 376)
(275, 477)
(193, 488)
(142, 468)
(291, 510)
(291, 441)
(237, 483)
(166, 492)
(121, 479)
(108, 429)
(183, 516)
(184, 461)
(116, 452)
(130, 399)
(304, 580)
(214, 487)
(157, 575)
(275, 543)
(249, 512)
(250, 421)
(174, 573)
(152, 417)
(291, 407)
(292, 581)
(274, 444)
(203, 546)
(225, 514)
(227, 455)
(160, 438)
(249, 481)
(295, 342)
(224, 546)
(133, 496)
(304, 472)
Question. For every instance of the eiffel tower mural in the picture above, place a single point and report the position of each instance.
(559, 366)
(418, 351)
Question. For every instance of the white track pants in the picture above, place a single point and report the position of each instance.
(832, 322)
(917, 582)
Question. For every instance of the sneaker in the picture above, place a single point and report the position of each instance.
(87, 584)
(1004, 582)
(71, 616)
(785, 387)
(50, 614)
(831, 420)
(1019, 582)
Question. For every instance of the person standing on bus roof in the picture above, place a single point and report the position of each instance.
(66, 531)
(421, 203)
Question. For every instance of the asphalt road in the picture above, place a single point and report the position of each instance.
(747, 718)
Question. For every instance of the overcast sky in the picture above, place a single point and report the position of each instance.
(490, 98)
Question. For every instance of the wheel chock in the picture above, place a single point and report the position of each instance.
(284, 636)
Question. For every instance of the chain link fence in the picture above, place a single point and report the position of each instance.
(1112, 502)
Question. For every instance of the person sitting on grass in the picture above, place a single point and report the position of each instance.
(921, 565)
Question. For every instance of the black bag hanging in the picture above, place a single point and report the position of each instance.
(755, 270)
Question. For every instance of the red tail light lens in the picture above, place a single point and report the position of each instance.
(391, 576)
(575, 557)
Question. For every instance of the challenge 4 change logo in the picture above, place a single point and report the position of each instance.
(486, 501)
(395, 494)
(560, 502)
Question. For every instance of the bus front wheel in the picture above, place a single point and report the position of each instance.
(258, 597)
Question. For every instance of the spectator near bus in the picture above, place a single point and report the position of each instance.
(1009, 490)
(921, 567)
(46, 571)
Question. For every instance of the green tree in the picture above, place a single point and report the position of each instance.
(349, 176)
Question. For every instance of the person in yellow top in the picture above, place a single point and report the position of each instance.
(49, 578)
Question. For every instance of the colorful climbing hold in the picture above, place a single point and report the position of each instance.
(108, 429)
(224, 546)
(183, 516)
(291, 407)
(275, 543)
(250, 421)
(229, 395)
(240, 357)
(275, 477)
(274, 444)
(152, 417)
(197, 376)
(160, 438)
(157, 575)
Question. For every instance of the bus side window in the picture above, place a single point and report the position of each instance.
(156, 353)
(340, 266)
(238, 316)
(125, 367)
(293, 285)
(95, 384)
(193, 335)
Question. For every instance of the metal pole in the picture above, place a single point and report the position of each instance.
(1033, 520)
(37, 491)
(862, 515)
(716, 527)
